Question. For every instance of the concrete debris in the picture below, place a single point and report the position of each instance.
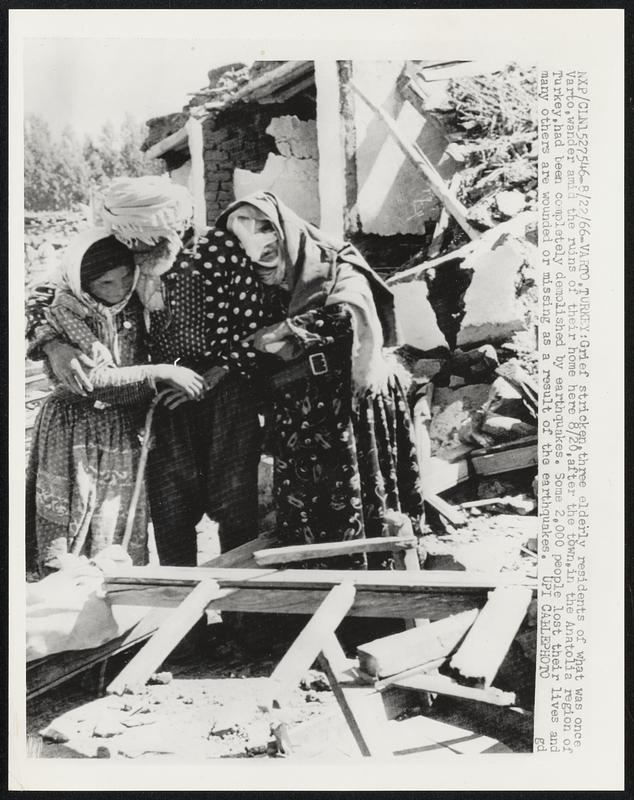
(416, 316)
(496, 269)
(510, 203)
(160, 678)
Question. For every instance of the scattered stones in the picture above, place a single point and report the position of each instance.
(106, 730)
(160, 678)
(57, 733)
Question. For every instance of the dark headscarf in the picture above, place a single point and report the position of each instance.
(313, 261)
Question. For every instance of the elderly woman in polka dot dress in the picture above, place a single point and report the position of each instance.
(343, 445)
(201, 301)
(85, 451)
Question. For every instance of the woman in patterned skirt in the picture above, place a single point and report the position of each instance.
(85, 450)
(343, 443)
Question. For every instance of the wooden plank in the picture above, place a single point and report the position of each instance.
(431, 605)
(450, 581)
(441, 684)
(171, 632)
(360, 704)
(308, 645)
(479, 657)
(402, 651)
(451, 513)
(507, 460)
(380, 593)
(242, 556)
(301, 552)
(429, 172)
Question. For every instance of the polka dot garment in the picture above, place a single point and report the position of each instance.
(213, 302)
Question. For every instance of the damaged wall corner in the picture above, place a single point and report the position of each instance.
(293, 173)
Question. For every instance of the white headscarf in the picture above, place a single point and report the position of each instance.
(153, 210)
(71, 294)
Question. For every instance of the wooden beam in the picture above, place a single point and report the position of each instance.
(402, 651)
(171, 142)
(380, 593)
(451, 513)
(429, 172)
(310, 642)
(170, 633)
(307, 552)
(479, 657)
(505, 459)
(441, 684)
(448, 581)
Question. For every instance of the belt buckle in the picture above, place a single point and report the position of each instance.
(318, 363)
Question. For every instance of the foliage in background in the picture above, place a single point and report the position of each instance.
(60, 172)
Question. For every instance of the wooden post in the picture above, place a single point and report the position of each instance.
(362, 706)
(305, 649)
(169, 634)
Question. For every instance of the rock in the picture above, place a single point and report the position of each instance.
(493, 311)
(415, 315)
(450, 409)
(510, 203)
(427, 367)
(160, 679)
(474, 366)
(506, 428)
(494, 488)
(58, 732)
(106, 730)
(521, 504)
(505, 400)
(103, 752)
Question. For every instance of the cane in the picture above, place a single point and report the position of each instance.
(145, 448)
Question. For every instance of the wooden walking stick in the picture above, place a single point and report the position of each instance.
(145, 448)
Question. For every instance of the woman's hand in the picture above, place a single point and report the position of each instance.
(183, 379)
(69, 365)
(266, 339)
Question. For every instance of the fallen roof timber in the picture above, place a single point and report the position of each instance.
(379, 593)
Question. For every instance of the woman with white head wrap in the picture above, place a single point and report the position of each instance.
(345, 456)
(85, 451)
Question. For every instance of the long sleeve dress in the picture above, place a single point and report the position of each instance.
(85, 450)
(339, 465)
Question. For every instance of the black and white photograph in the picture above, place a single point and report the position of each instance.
(288, 493)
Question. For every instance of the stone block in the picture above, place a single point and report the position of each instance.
(416, 317)
(493, 310)
(450, 410)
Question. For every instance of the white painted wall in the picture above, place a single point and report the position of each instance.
(393, 196)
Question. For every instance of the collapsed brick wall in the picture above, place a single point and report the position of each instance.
(237, 138)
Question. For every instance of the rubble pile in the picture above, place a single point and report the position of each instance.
(493, 120)
(46, 234)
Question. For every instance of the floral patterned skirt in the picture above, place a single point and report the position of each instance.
(338, 470)
(80, 480)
